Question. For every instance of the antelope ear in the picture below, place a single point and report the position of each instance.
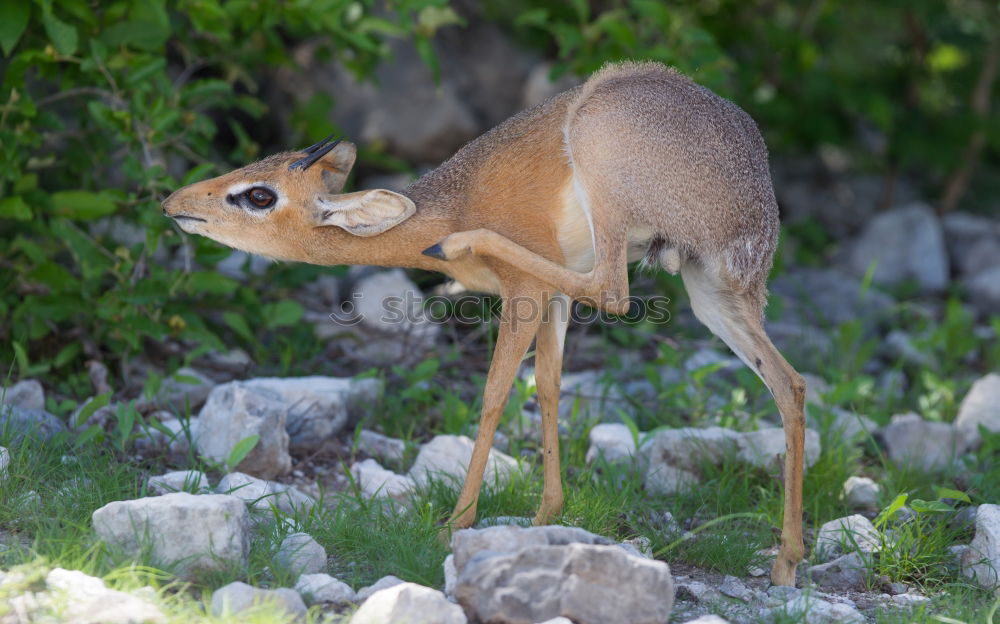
(365, 213)
(336, 165)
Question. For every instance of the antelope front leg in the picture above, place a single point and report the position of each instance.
(520, 317)
(548, 370)
(606, 286)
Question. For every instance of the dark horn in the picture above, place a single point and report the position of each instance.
(315, 146)
(314, 155)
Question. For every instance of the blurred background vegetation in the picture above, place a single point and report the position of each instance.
(106, 107)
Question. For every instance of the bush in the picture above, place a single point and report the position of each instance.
(104, 107)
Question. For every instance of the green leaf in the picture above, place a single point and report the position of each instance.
(943, 492)
(282, 313)
(896, 504)
(14, 208)
(83, 205)
(240, 450)
(239, 325)
(14, 17)
(62, 35)
(211, 283)
(67, 354)
(92, 406)
(922, 506)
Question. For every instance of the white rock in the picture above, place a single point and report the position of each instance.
(233, 412)
(383, 583)
(25, 393)
(176, 443)
(300, 553)
(193, 481)
(984, 289)
(450, 576)
(813, 610)
(186, 387)
(260, 494)
(849, 426)
(238, 597)
(318, 407)
(905, 243)
(846, 534)
(845, 573)
(861, 492)
(586, 583)
(912, 442)
(4, 462)
(323, 588)
(380, 447)
(981, 562)
(688, 447)
(82, 599)
(980, 407)
(708, 619)
(734, 588)
(666, 480)
(910, 600)
(187, 532)
(393, 324)
(375, 481)
(408, 602)
(612, 441)
(447, 457)
(765, 448)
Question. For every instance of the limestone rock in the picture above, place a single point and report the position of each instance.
(381, 447)
(981, 562)
(235, 411)
(25, 422)
(193, 481)
(237, 597)
(912, 442)
(186, 387)
(447, 457)
(765, 448)
(375, 481)
(980, 407)
(587, 584)
(261, 494)
(383, 583)
(25, 393)
(82, 599)
(905, 243)
(813, 610)
(187, 532)
(318, 407)
(845, 573)
(862, 492)
(408, 603)
(845, 535)
(612, 441)
(323, 588)
(300, 553)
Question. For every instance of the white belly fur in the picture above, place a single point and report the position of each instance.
(575, 238)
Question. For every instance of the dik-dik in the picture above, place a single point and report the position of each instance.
(637, 163)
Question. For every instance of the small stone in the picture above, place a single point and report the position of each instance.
(612, 441)
(845, 535)
(813, 610)
(492, 521)
(4, 462)
(192, 481)
(467, 543)
(708, 619)
(765, 448)
(910, 600)
(26, 393)
(380, 447)
(447, 457)
(782, 593)
(260, 494)
(450, 576)
(323, 588)
(984, 289)
(238, 597)
(912, 442)
(861, 492)
(697, 591)
(588, 584)
(844, 573)
(187, 532)
(81, 599)
(383, 583)
(235, 411)
(734, 588)
(981, 562)
(24, 422)
(375, 481)
(980, 408)
(402, 603)
(186, 388)
(300, 553)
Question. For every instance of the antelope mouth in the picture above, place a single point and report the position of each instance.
(182, 217)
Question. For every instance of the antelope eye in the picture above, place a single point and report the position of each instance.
(260, 197)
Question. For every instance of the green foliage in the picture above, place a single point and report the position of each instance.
(101, 104)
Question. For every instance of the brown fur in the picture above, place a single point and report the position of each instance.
(553, 203)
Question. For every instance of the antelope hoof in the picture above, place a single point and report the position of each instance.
(783, 572)
(435, 251)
